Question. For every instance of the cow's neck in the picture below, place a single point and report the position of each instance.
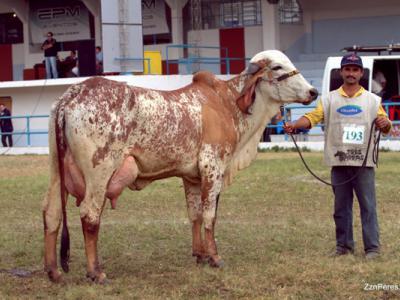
(262, 111)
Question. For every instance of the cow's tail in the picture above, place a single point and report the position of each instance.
(61, 149)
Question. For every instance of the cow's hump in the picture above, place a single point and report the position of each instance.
(98, 81)
(207, 78)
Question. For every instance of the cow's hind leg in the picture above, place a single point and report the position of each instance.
(91, 234)
(100, 187)
(195, 213)
(91, 209)
(52, 213)
(51, 222)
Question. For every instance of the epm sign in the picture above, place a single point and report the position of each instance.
(58, 12)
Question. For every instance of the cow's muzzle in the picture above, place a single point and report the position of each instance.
(313, 94)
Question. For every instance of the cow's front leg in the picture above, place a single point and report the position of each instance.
(210, 217)
(211, 184)
(195, 214)
(91, 234)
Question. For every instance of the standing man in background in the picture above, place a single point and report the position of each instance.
(99, 61)
(6, 126)
(348, 113)
(50, 56)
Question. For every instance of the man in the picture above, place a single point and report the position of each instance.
(70, 65)
(50, 56)
(6, 126)
(348, 113)
(99, 61)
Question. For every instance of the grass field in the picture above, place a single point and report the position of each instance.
(275, 233)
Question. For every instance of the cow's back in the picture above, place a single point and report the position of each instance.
(111, 120)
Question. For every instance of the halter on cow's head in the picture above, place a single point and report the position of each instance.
(273, 75)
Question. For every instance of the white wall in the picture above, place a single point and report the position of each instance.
(253, 40)
(290, 33)
(18, 61)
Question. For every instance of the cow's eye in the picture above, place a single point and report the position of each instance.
(276, 68)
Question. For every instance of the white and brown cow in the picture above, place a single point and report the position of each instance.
(105, 136)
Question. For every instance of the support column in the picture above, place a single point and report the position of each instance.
(94, 7)
(177, 25)
(270, 27)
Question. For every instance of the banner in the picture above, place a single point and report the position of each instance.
(154, 17)
(67, 19)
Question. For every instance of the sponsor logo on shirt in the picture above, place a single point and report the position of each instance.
(349, 110)
(351, 154)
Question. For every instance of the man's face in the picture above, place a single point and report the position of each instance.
(351, 74)
(49, 36)
(2, 107)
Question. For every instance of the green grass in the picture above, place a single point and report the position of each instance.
(274, 231)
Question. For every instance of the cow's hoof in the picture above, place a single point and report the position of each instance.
(55, 276)
(201, 259)
(215, 262)
(99, 278)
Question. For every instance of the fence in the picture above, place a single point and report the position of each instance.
(28, 132)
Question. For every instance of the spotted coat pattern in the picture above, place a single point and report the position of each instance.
(118, 136)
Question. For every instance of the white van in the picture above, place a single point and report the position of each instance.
(388, 65)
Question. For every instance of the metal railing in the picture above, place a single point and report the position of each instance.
(29, 132)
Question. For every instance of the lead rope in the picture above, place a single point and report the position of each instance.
(375, 156)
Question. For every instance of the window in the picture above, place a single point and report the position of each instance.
(230, 13)
(290, 12)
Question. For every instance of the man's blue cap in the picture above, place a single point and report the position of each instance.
(351, 59)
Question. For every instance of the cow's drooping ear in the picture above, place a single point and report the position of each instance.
(247, 96)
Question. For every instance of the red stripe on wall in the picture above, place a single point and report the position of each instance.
(233, 40)
(6, 73)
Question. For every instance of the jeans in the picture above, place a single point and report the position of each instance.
(364, 187)
(4, 138)
(51, 67)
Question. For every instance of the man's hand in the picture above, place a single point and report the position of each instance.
(289, 128)
(382, 123)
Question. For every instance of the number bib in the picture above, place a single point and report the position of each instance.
(353, 134)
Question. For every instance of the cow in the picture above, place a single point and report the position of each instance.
(105, 136)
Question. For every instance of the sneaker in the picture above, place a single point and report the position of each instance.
(342, 251)
(371, 255)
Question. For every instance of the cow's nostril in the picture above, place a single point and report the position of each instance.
(314, 94)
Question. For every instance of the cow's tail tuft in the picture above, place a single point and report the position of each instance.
(61, 149)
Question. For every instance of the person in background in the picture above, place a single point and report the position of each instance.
(379, 84)
(50, 56)
(348, 114)
(6, 126)
(99, 61)
(70, 65)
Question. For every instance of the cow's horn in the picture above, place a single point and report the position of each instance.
(252, 68)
